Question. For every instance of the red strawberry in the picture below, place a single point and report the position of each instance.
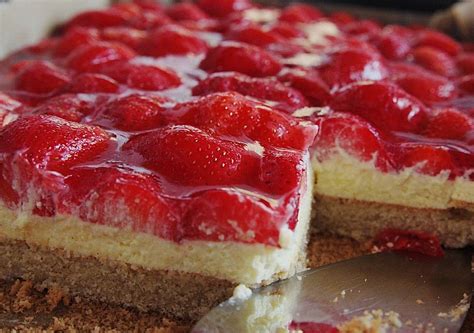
(74, 38)
(265, 89)
(309, 83)
(93, 83)
(408, 240)
(52, 143)
(189, 156)
(223, 8)
(231, 114)
(286, 30)
(120, 198)
(428, 88)
(352, 134)
(430, 160)
(466, 83)
(281, 171)
(465, 63)
(448, 124)
(253, 34)
(383, 104)
(363, 27)
(93, 57)
(393, 45)
(341, 17)
(133, 38)
(227, 215)
(133, 113)
(439, 41)
(434, 60)
(346, 66)
(186, 11)
(242, 58)
(300, 13)
(68, 107)
(101, 18)
(172, 39)
(149, 20)
(152, 78)
(41, 77)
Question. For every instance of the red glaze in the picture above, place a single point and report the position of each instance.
(208, 166)
(311, 327)
(408, 240)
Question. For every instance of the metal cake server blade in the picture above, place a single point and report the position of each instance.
(416, 292)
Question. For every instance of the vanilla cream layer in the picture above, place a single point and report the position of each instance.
(346, 177)
(250, 264)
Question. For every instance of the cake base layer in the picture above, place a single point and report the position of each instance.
(175, 295)
(361, 220)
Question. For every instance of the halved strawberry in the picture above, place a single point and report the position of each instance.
(67, 106)
(231, 114)
(308, 83)
(242, 58)
(408, 240)
(120, 198)
(353, 135)
(125, 35)
(434, 60)
(93, 83)
(427, 159)
(428, 88)
(152, 78)
(74, 38)
(93, 57)
(448, 123)
(189, 156)
(52, 143)
(349, 65)
(439, 41)
(133, 113)
(362, 27)
(186, 11)
(101, 18)
(286, 30)
(41, 77)
(466, 83)
(253, 34)
(266, 89)
(300, 13)
(465, 63)
(383, 104)
(172, 39)
(227, 215)
(223, 8)
(392, 43)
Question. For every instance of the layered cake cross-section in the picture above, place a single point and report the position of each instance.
(172, 153)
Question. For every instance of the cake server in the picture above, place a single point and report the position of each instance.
(404, 292)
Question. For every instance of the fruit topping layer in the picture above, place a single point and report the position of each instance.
(200, 115)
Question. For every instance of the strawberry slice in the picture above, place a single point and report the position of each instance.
(172, 39)
(428, 88)
(242, 58)
(427, 159)
(384, 105)
(74, 38)
(352, 134)
(408, 240)
(350, 65)
(93, 57)
(223, 8)
(49, 142)
(69, 107)
(448, 123)
(186, 11)
(231, 114)
(226, 215)
(41, 77)
(93, 83)
(434, 60)
(120, 198)
(300, 13)
(439, 41)
(187, 155)
(267, 89)
(133, 113)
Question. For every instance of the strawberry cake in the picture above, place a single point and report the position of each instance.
(173, 153)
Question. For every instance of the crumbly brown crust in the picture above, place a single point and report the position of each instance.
(362, 220)
(177, 295)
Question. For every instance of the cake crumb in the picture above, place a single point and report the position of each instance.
(241, 293)
(419, 301)
(457, 311)
(375, 321)
(54, 296)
